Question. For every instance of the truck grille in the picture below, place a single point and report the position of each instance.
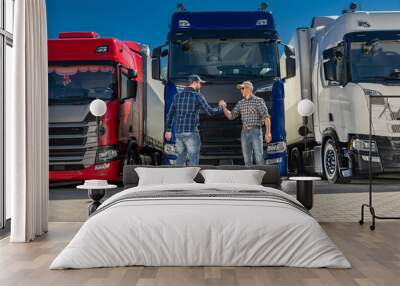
(389, 112)
(396, 128)
(72, 146)
(68, 141)
(59, 130)
(220, 137)
(389, 151)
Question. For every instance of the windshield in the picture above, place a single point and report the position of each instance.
(80, 84)
(224, 58)
(375, 60)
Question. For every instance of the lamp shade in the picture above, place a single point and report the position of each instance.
(305, 107)
(98, 107)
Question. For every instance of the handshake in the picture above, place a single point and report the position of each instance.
(222, 103)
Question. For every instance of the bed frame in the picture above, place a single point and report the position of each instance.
(270, 179)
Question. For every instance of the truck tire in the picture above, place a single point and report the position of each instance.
(331, 163)
(131, 157)
(156, 158)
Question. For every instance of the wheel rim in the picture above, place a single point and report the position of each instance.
(330, 161)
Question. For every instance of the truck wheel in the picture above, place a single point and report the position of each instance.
(156, 158)
(131, 157)
(331, 163)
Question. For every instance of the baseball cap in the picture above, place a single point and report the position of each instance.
(245, 83)
(195, 77)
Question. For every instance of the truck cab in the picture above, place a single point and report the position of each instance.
(84, 67)
(227, 48)
(352, 68)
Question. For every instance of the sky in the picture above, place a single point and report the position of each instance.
(147, 21)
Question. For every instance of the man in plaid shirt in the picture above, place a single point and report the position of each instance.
(184, 111)
(254, 113)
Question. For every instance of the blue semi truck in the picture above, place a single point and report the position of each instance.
(226, 48)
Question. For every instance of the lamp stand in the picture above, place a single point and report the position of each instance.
(305, 120)
(98, 129)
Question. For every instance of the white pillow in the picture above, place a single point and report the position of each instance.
(166, 176)
(248, 177)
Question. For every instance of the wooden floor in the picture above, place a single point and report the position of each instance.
(375, 257)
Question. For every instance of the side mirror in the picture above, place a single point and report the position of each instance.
(156, 53)
(338, 54)
(132, 73)
(290, 67)
(330, 71)
(328, 54)
(156, 68)
(156, 56)
(164, 53)
(290, 61)
(131, 90)
(156, 63)
(289, 51)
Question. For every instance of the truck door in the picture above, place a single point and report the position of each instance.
(331, 98)
(126, 120)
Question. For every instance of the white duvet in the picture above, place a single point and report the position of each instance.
(200, 231)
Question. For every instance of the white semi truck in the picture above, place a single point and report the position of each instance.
(340, 62)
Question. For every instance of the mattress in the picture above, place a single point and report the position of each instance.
(201, 225)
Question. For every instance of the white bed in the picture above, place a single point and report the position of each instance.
(184, 230)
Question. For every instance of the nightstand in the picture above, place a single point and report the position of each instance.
(96, 191)
(304, 192)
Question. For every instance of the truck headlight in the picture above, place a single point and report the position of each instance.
(170, 149)
(261, 22)
(276, 147)
(106, 154)
(371, 92)
(363, 145)
(184, 24)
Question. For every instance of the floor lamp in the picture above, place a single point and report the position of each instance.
(97, 108)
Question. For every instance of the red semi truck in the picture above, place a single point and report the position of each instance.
(84, 67)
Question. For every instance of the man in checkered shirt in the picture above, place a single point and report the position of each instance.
(254, 113)
(184, 111)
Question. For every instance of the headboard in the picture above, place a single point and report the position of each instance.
(271, 178)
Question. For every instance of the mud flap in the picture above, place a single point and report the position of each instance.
(346, 164)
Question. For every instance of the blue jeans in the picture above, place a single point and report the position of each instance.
(252, 144)
(188, 148)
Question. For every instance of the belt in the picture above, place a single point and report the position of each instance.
(251, 127)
